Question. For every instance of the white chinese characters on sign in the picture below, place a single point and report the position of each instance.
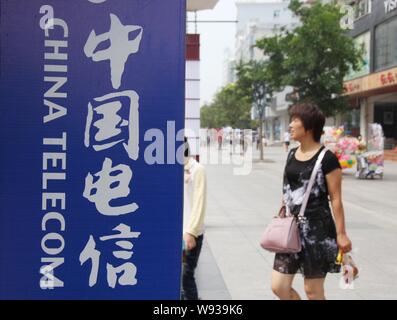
(120, 47)
(112, 183)
(90, 252)
(113, 119)
(125, 274)
(110, 124)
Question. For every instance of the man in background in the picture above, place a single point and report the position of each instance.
(195, 196)
(287, 140)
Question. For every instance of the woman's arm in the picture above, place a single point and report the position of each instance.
(334, 183)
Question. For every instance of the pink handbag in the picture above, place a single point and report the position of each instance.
(282, 234)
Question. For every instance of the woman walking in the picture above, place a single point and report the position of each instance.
(322, 234)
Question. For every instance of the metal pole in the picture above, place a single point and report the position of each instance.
(213, 21)
(195, 21)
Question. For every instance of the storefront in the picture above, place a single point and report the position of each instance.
(351, 122)
(385, 113)
(376, 97)
(372, 90)
(275, 124)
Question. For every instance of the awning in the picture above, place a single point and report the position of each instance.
(197, 5)
(373, 84)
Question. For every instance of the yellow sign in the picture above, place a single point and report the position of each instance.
(379, 80)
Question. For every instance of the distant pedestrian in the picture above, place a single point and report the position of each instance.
(243, 144)
(322, 234)
(287, 138)
(220, 140)
(231, 143)
(258, 141)
(264, 141)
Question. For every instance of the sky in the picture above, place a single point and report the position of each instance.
(215, 39)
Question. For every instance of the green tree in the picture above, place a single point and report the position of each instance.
(236, 107)
(253, 83)
(211, 117)
(229, 108)
(314, 58)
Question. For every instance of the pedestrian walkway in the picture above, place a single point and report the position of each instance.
(210, 281)
(239, 207)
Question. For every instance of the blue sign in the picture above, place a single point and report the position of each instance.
(90, 208)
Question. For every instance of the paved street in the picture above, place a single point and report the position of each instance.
(234, 266)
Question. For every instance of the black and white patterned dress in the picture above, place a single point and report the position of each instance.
(318, 233)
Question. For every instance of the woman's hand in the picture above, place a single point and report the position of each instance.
(344, 243)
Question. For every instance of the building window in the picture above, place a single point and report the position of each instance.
(276, 13)
(362, 43)
(386, 45)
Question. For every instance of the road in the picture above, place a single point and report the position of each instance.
(234, 266)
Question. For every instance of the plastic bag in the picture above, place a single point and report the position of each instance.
(349, 271)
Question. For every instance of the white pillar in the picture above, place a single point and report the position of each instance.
(364, 118)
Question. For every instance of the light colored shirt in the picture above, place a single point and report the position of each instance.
(195, 198)
(287, 136)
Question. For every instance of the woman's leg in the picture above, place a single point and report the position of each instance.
(314, 289)
(282, 286)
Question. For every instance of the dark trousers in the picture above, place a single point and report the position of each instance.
(189, 287)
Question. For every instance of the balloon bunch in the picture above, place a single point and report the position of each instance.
(346, 147)
(347, 161)
(331, 137)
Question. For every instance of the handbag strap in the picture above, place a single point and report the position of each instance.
(311, 182)
(289, 158)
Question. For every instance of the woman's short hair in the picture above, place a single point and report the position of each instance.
(311, 116)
